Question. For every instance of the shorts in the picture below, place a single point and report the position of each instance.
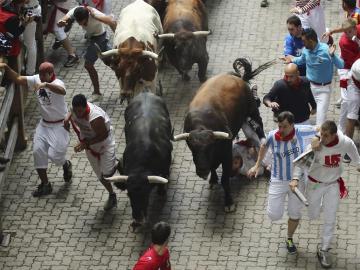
(91, 51)
(278, 191)
(50, 143)
(104, 166)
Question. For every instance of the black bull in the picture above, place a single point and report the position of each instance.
(215, 115)
(148, 150)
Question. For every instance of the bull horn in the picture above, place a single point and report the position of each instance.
(201, 33)
(150, 54)
(182, 136)
(117, 179)
(221, 135)
(109, 53)
(167, 35)
(157, 179)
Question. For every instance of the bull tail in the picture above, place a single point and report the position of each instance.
(243, 68)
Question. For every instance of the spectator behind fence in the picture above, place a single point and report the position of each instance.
(32, 9)
(320, 60)
(157, 257)
(293, 94)
(11, 27)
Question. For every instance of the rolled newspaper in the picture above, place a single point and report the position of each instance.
(301, 196)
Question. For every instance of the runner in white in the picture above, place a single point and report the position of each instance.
(51, 139)
(286, 143)
(94, 130)
(325, 186)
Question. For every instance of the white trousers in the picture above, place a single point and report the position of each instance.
(105, 165)
(30, 44)
(50, 142)
(315, 19)
(322, 98)
(278, 191)
(327, 197)
(59, 32)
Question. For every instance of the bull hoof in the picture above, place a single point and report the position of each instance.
(230, 208)
(186, 77)
(202, 79)
(134, 225)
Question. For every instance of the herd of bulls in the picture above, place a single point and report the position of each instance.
(215, 115)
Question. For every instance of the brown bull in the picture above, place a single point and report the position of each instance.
(186, 29)
(216, 113)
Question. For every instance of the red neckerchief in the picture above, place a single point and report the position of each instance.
(334, 142)
(357, 83)
(86, 113)
(286, 138)
(296, 84)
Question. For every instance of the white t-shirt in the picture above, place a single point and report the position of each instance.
(93, 27)
(327, 165)
(86, 131)
(52, 106)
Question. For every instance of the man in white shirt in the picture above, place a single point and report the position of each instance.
(325, 186)
(93, 128)
(91, 20)
(102, 5)
(51, 139)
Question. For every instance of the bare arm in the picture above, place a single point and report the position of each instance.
(106, 19)
(57, 89)
(254, 171)
(13, 76)
(98, 125)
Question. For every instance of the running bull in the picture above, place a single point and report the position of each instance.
(135, 49)
(186, 31)
(147, 155)
(216, 113)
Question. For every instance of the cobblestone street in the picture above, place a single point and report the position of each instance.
(69, 228)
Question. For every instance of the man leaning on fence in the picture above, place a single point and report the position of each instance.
(50, 139)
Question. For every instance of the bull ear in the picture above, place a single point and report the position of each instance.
(222, 135)
(182, 136)
(157, 179)
(117, 179)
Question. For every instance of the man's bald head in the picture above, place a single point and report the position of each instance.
(291, 74)
(291, 68)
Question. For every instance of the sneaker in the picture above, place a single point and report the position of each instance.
(264, 3)
(71, 60)
(346, 159)
(42, 189)
(57, 44)
(111, 202)
(290, 246)
(96, 98)
(67, 167)
(324, 258)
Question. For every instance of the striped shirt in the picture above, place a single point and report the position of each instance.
(284, 152)
(307, 5)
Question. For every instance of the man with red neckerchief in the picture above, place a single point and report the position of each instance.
(50, 139)
(93, 128)
(157, 257)
(325, 186)
(286, 143)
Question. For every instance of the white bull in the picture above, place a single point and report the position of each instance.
(136, 47)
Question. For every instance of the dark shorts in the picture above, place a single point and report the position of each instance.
(91, 51)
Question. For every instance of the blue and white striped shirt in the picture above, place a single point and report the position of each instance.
(284, 152)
